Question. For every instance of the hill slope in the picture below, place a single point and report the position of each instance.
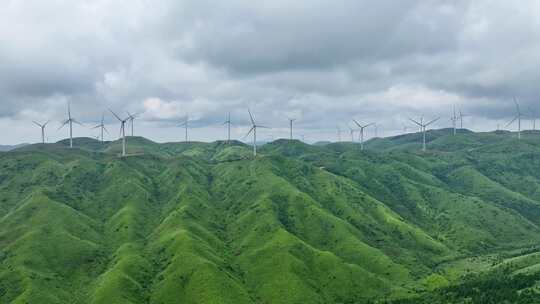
(206, 223)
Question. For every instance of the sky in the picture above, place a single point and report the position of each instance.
(322, 63)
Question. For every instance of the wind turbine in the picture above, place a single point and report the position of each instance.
(228, 123)
(185, 124)
(351, 131)
(454, 120)
(362, 132)
(461, 119)
(102, 127)
(131, 118)
(533, 116)
(122, 131)
(291, 120)
(518, 118)
(253, 129)
(42, 126)
(70, 120)
(423, 128)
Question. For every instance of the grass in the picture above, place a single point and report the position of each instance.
(207, 223)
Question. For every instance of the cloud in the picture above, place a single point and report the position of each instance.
(323, 62)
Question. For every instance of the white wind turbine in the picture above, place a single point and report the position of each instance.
(362, 128)
(351, 131)
(454, 120)
(253, 129)
(518, 117)
(42, 126)
(122, 131)
(131, 118)
(228, 123)
(185, 124)
(533, 117)
(423, 127)
(461, 119)
(291, 120)
(70, 120)
(101, 126)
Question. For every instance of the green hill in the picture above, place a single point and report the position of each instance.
(207, 223)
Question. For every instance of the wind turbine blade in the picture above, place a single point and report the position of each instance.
(416, 122)
(117, 117)
(264, 127)
(251, 117)
(98, 126)
(517, 105)
(65, 122)
(368, 125)
(105, 129)
(45, 124)
(356, 122)
(513, 120)
(249, 132)
(37, 124)
(77, 122)
(432, 121)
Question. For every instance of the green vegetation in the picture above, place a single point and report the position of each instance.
(326, 223)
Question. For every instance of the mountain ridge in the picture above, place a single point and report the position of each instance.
(207, 223)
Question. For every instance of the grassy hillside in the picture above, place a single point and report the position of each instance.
(206, 223)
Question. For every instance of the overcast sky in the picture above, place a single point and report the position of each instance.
(321, 62)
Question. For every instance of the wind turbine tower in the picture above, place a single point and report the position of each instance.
(362, 128)
(351, 131)
(291, 121)
(518, 117)
(423, 127)
(102, 128)
(185, 124)
(454, 120)
(461, 119)
(253, 129)
(42, 126)
(131, 118)
(70, 120)
(122, 131)
(228, 123)
(533, 116)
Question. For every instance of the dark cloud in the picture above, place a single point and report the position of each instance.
(320, 61)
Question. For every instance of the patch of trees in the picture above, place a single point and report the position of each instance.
(495, 289)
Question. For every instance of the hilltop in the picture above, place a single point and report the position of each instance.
(207, 223)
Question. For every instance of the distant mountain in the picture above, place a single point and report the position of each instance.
(322, 143)
(5, 148)
(208, 223)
